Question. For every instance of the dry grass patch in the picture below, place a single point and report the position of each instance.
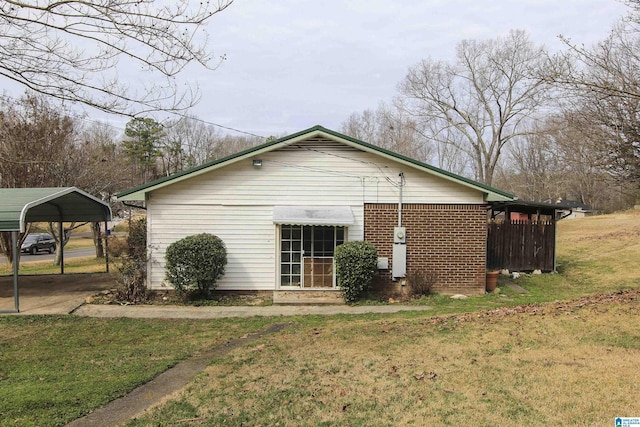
(557, 364)
(601, 250)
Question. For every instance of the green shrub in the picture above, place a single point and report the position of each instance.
(356, 266)
(195, 263)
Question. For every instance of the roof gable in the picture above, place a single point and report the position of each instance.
(138, 193)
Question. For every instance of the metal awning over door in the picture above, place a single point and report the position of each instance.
(20, 206)
(339, 216)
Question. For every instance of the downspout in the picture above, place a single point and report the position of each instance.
(400, 185)
(131, 205)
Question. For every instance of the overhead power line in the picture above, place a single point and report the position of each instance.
(12, 99)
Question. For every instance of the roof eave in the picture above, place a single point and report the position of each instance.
(139, 193)
(63, 191)
(491, 194)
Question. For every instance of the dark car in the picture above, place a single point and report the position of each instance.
(35, 243)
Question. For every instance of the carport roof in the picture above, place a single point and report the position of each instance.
(19, 206)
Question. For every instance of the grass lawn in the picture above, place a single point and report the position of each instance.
(54, 369)
(557, 365)
(89, 264)
(541, 358)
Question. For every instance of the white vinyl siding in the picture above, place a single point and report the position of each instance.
(236, 203)
(247, 232)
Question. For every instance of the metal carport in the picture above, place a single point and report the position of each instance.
(19, 206)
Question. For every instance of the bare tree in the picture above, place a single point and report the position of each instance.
(562, 159)
(102, 170)
(230, 144)
(532, 168)
(71, 50)
(188, 142)
(603, 82)
(41, 145)
(362, 126)
(35, 142)
(480, 102)
(391, 129)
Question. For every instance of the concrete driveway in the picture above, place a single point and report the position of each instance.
(53, 294)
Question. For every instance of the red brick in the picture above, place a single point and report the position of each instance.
(449, 240)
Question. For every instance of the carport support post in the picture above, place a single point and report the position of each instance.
(16, 297)
(106, 244)
(60, 231)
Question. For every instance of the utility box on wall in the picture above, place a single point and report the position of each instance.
(399, 263)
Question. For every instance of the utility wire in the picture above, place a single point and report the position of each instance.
(186, 116)
(12, 99)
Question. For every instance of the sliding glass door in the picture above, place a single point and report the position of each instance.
(306, 255)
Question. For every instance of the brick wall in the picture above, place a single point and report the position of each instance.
(448, 240)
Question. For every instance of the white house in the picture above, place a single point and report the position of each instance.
(281, 208)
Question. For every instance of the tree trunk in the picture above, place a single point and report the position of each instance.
(7, 248)
(61, 241)
(97, 239)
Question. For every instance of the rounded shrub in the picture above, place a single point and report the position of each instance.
(195, 263)
(356, 266)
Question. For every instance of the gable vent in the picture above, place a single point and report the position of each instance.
(319, 143)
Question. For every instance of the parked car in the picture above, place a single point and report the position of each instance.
(35, 243)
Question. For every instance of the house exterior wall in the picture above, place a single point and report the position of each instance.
(446, 239)
(235, 202)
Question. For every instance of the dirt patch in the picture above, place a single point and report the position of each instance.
(555, 308)
(57, 284)
(169, 297)
(53, 294)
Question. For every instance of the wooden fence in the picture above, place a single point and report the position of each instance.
(521, 245)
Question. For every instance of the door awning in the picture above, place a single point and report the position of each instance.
(313, 215)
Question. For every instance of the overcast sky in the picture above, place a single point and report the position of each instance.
(292, 64)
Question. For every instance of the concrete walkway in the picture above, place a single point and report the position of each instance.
(219, 312)
(66, 294)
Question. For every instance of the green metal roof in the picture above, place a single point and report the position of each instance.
(138, 193)
(19, 206)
